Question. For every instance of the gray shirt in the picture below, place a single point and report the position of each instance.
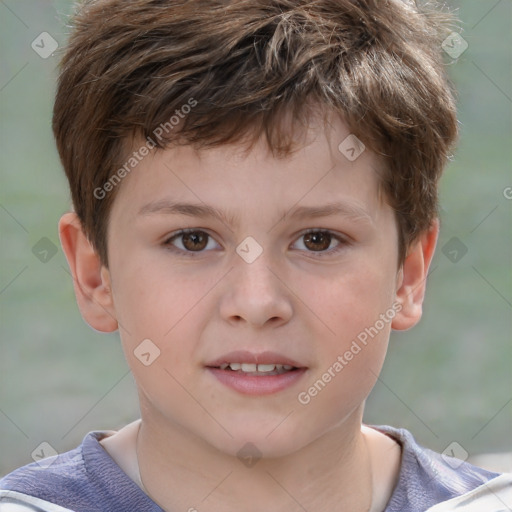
(87, 479)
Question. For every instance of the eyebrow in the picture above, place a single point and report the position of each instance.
(169, 207)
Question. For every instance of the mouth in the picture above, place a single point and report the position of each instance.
(258, 370)
(256, 374)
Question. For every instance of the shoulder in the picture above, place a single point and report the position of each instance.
(12, 501)
(493, 496)
(85, 479)
(63, 473)
(427, 478)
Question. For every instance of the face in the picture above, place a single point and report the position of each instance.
(297, 267)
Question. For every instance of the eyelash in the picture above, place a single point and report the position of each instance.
(342, 242)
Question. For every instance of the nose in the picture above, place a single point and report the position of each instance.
(255, 294)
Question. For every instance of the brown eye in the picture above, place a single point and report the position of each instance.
(195, 241)
(191, 241)
(322, 243)
(317, 240)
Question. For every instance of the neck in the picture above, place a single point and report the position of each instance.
(334, 469)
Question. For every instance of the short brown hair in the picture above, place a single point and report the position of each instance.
(130, 65)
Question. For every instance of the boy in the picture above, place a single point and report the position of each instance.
(255, 190)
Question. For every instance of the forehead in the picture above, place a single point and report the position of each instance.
(330, 170)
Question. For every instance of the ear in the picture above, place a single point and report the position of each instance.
(91, 279)
(412, 279)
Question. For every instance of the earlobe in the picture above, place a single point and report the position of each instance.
(412, 279)
(91, 279)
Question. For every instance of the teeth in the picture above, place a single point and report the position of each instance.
(256, 368)
(266, 367)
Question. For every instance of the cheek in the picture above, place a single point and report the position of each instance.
(154, 300)
(351, 300)
(159, 335)
(155, 311)
(350, 360)
(356, 311)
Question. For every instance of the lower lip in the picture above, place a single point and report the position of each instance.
(254, 385)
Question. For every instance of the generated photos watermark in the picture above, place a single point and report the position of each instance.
(358, 344)
(137, 156)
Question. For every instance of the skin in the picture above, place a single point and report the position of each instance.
(295, 299)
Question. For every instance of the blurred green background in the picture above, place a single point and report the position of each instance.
(448, 379)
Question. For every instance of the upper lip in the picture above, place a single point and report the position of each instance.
(245, 356)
